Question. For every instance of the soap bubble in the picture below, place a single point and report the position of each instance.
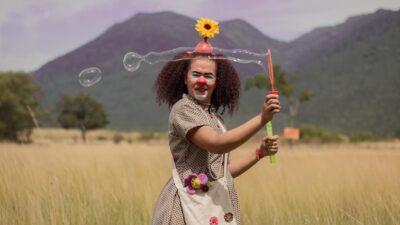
(165, 56)
(89, 76)
(132, 61)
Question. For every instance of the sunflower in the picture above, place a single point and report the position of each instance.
(207, 28)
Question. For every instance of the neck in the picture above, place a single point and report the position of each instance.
(204, 105)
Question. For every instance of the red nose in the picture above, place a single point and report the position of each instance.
(201, 81)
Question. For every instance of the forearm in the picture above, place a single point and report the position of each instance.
(206, 138)
(238, 166)
(230, 140)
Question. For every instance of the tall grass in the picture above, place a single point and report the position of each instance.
(332, 185)
(102, 183)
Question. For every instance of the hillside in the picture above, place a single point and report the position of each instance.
(356, 80)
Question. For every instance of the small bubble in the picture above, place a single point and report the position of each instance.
(89, 76)
(132, 61)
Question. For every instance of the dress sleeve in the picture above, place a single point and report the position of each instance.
(187, 117)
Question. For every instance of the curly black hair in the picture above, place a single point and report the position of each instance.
(170, 85)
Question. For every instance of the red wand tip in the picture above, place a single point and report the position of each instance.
(270, 69)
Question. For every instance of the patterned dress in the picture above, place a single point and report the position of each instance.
(185, 115)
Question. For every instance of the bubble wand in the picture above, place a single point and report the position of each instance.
(268, 126)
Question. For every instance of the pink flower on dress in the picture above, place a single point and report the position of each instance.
(213, 220)
(194, 182)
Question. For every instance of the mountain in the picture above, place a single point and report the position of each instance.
(351, 68)
(354, 70)
(128, 97)
(151, 32)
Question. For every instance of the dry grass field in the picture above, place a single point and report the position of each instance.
(59, 180)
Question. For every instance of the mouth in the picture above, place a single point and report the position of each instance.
(202, 89)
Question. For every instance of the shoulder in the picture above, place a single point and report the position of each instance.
(185, 104)
(185, 115)
(187, 111)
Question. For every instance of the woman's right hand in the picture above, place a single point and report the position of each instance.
(271, 107)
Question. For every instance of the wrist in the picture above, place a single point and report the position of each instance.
(264, 119)
(259, 154)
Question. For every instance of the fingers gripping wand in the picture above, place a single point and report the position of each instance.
(268, 126)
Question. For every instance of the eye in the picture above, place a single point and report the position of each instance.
(209, 76)
(195, 74)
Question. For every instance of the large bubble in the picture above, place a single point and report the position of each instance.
(133, 60)
(89, 76)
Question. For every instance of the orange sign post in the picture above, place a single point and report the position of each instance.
(291, 133)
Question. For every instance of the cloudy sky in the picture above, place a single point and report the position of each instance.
(32, 32)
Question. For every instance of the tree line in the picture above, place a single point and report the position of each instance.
(20, 109)
(20, 96)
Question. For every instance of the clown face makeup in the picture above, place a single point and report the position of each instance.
(201, 79)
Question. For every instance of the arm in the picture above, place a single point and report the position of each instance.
(206, 138)
(269, 146)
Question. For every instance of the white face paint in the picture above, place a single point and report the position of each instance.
(200, 88)
(201, 79)
(201, 97)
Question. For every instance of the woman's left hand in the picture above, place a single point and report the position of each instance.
(269, 145)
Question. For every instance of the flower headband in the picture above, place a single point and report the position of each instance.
(207, 29)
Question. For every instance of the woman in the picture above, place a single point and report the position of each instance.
(196, 87)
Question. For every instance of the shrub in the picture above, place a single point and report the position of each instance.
(397, 134)
(117, 138)
(148, 136)
(101, 138)
(363, 136)
(311, 133)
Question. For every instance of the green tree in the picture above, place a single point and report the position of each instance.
(82, 112)
(286, 88)
(19, 97)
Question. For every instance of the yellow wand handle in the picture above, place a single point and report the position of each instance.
(268, 126)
